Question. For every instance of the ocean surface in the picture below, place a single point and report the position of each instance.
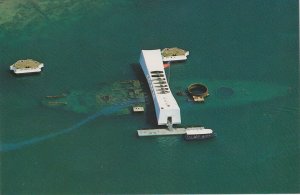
(257, 148)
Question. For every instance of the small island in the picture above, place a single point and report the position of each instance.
(26, 66)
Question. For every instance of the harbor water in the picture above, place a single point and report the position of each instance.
(236, 47)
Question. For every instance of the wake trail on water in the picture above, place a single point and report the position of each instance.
(5, 147)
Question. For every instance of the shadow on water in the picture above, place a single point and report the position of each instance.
(5, 147)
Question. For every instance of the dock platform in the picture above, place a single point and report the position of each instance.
(166, 131)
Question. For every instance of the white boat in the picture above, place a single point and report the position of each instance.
(199, 134)
(174, 54)
(26, 66)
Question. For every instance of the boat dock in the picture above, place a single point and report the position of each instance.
(166, 131)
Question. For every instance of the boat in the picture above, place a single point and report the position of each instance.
(173, 54)
(26, 66)
(199, 134)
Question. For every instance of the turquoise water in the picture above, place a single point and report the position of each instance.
(47, 150)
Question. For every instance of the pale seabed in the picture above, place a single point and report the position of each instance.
(249, 47)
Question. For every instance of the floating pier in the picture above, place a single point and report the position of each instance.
(167, 131)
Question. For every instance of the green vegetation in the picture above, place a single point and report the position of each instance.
(174, 51)
(21, 64)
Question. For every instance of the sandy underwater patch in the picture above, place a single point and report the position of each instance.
(17, 14)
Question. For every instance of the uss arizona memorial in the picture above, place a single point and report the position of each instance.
(166, 108)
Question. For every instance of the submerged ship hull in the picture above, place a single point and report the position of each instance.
(226, 93)
(93, 100)
(222, 93)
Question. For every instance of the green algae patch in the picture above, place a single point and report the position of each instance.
(29, 63)
(174, 51)
(18, 14)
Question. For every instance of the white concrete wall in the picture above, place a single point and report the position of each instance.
(165, 104)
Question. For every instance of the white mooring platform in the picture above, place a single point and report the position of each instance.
(166, 131)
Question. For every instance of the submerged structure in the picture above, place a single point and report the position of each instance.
(26, 66)
(198, 92)
(92, 100)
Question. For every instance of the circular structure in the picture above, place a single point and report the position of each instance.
(198, 90)
(225, 92)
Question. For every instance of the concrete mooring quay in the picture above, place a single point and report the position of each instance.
(166, 131)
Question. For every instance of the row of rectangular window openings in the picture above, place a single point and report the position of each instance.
(163, 91)
(158, 76)
(160, 73)
(163, 82)
(159, 80)
(160, 84)
(156, 85)
(156, 71)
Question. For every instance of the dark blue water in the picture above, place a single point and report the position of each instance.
(46, 150)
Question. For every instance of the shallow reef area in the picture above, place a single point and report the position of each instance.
(17, 14)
